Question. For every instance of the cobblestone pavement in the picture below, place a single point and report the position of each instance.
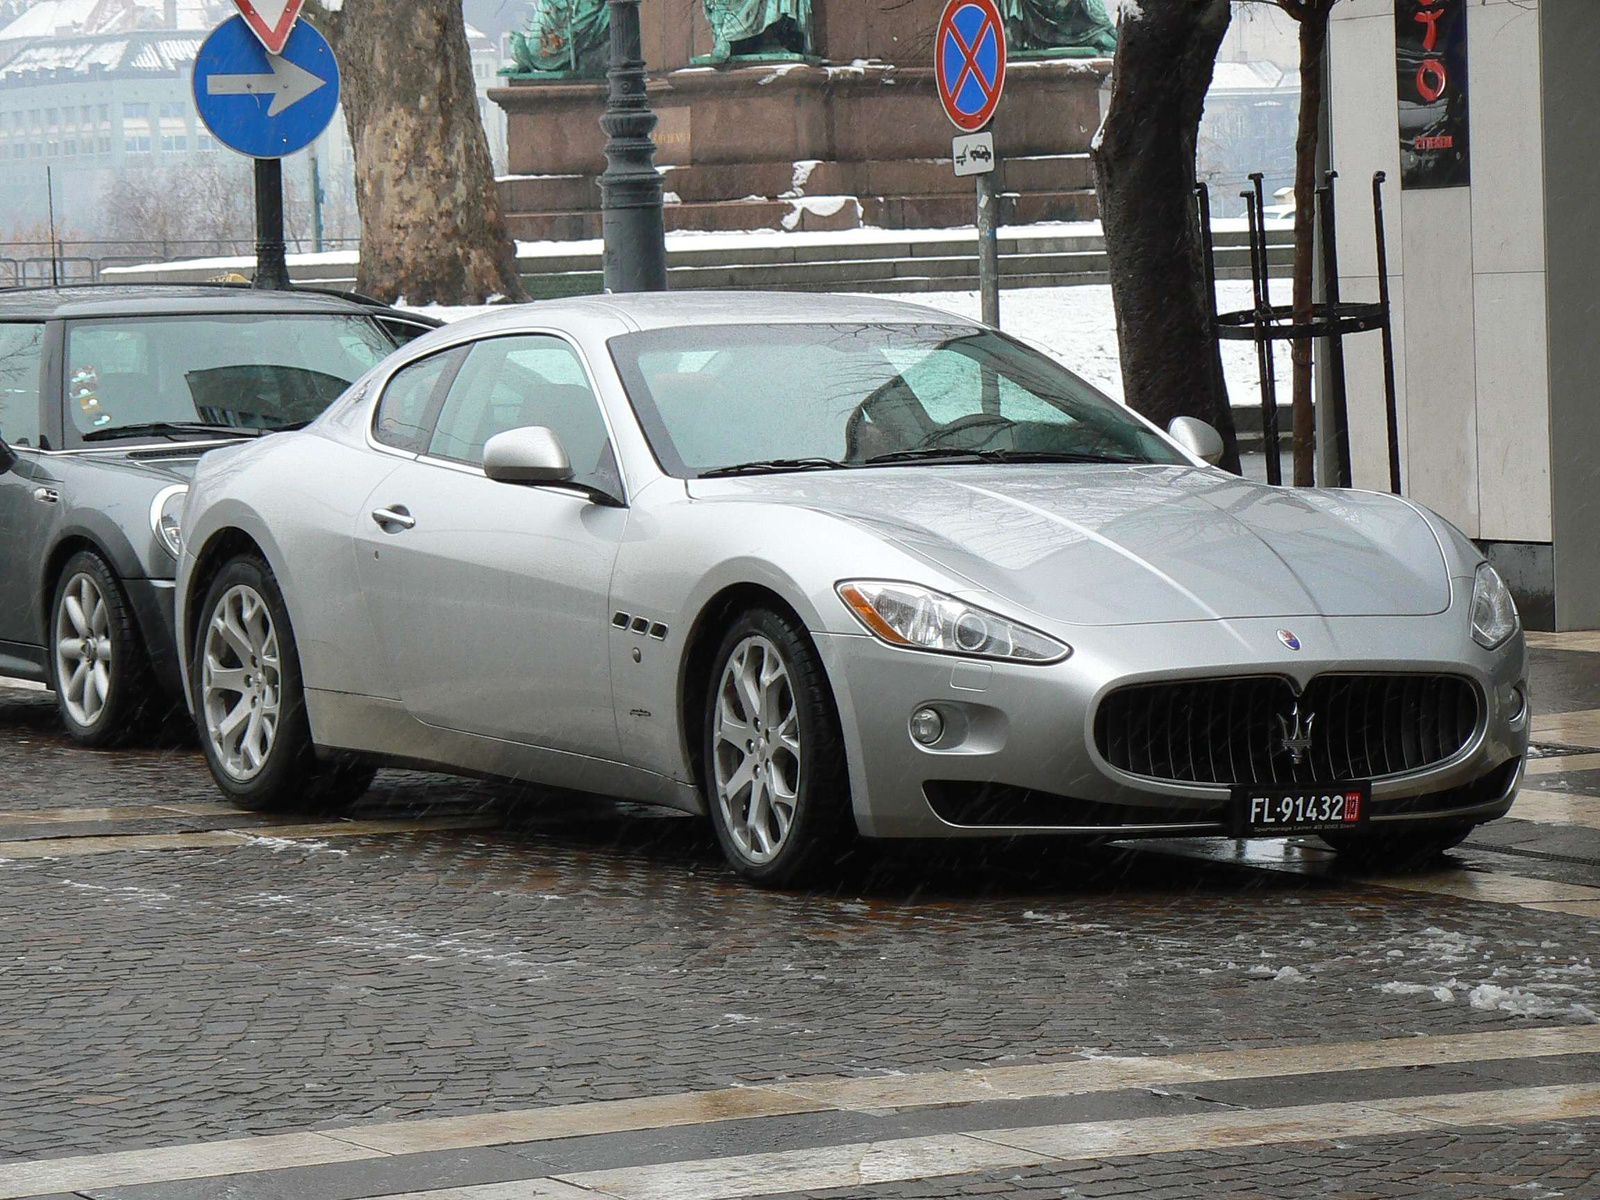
(460, 948)
(1540, 1162)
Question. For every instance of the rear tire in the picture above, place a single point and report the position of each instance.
(249, 702)
(775, 777)
(1402, 850)
(99, 667)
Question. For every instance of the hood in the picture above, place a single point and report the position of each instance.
(1092, 545)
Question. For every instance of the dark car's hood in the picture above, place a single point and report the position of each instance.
(162, 466)
(1112, 545)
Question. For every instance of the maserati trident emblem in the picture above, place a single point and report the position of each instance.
(1295, 730)
(1288, 639)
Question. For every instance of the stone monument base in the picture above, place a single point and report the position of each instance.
(805, 146)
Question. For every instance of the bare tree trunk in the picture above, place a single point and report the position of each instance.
(1313, 43)
(1145, 170)
(431, 227)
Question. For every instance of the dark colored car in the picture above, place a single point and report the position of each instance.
(108, 398)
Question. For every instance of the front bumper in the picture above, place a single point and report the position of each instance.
(1028, 730)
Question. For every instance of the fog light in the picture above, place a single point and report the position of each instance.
(927, 726)
(1518, 704)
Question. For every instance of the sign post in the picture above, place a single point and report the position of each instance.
(267, 103)
(970, 66)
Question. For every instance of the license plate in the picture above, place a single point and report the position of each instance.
(1306, 808)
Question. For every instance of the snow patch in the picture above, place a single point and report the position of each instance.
(1519, 1002)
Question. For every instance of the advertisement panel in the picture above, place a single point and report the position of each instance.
(1431, 61)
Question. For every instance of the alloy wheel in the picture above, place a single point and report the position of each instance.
(756, 749)
(241, 683)
(83, 650)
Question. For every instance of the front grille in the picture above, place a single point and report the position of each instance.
(1233, 731)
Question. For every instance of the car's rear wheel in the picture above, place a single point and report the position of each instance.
(250, 705)
(1399, 850)
(100, 669)
(775, 774)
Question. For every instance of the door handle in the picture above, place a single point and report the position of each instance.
(47, 495)
(397, 517)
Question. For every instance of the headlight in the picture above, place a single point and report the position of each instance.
(919, 618)
(166, 518)
(1494, 612)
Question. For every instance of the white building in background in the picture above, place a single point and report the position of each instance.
(1493, 203)
(99, 91)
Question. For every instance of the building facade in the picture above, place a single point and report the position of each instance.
(1493, 203)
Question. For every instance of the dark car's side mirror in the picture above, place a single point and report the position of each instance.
(8, 457)
(533, 454)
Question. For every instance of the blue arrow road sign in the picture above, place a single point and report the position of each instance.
(261, 104)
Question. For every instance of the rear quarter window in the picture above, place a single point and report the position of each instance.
(21, 351)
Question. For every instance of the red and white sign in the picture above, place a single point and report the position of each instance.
(271, 20)
(969, 61)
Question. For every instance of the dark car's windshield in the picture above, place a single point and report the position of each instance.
(722, 398)
(248, 372)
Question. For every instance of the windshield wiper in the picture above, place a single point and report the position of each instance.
(951, 454)
(170, 429)
(773, 466)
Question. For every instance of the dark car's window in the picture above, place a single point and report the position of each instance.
(402, 331)
(409, 401)
(260, 371)
(717, 396)
(513, 382)
(19, 383)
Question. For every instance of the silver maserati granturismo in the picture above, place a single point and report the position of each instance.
(823, 569)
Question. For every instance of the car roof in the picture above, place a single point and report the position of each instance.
(666, 310)
(143, 300)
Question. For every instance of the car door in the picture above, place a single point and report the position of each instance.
(29, 499)
(491, 600)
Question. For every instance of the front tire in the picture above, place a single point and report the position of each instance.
(1402, 850)
(105, 690)
(776, 779)
(250, 704)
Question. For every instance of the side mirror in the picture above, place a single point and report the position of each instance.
(1198, 438)
(532, 454)
(8, 458)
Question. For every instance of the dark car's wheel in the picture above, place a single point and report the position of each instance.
(250, 706)
(775, 774)
(99, 667)
(1400, 850)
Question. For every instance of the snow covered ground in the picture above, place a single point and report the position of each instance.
(1077, 326)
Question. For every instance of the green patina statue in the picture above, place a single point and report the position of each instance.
(564, 39)
(1059, 25)
(759, 27)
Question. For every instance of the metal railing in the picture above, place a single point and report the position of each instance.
(30, 263)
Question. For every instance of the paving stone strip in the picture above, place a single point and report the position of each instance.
(206, 1160)
(866, 1168)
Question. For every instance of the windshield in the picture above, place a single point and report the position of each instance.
(714, 398)
(246, 372)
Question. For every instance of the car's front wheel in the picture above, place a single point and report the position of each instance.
(775, 774)
(100, 669)
(250, 703)
(1399, 850)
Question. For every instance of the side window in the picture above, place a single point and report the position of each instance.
(402, 417)
(513, 382)
(19, 383)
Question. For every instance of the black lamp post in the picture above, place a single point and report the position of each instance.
(635, 233)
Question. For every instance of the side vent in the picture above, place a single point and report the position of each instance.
(640, 626)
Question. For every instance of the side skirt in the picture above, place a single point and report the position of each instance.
(24, 662)
(383, 729)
